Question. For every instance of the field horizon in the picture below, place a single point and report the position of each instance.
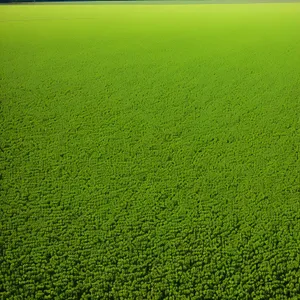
(154, 2)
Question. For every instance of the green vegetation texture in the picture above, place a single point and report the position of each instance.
(150, 152)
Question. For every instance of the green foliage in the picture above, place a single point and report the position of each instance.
(150, 152)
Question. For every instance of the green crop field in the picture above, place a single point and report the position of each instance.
(150, 151)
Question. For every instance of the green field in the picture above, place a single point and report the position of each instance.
(150, 152)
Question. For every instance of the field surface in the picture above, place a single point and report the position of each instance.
(150, 152)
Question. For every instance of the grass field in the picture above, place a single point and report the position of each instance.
(150, 152)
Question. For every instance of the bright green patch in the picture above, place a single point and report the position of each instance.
(150, 152)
